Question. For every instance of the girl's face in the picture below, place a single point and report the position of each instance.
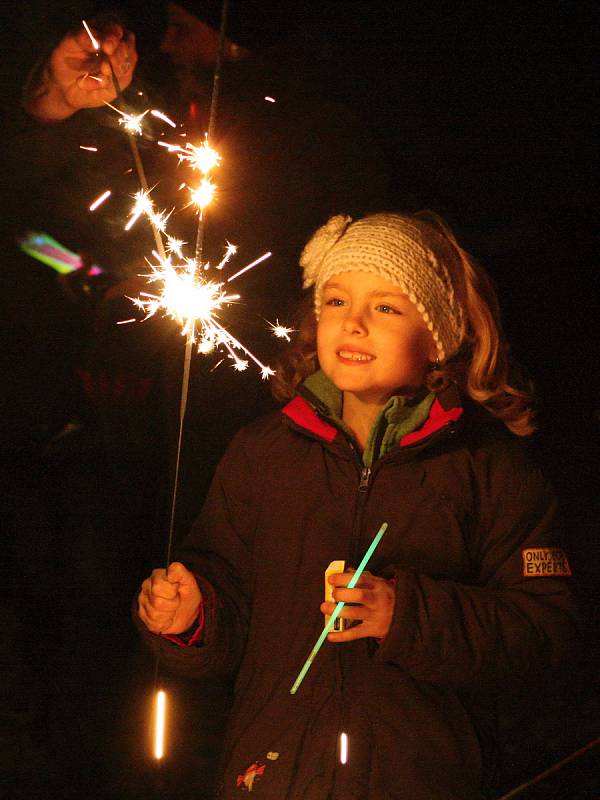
(371, 340)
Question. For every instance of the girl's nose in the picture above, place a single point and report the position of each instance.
(354, 323)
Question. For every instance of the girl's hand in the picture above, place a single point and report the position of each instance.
(77, 76)
(169, 600)
(373, 600)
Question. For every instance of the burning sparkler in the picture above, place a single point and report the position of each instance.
(203, 158)
(203, 194)
(131, 122)
(184, 293)
(194, 302)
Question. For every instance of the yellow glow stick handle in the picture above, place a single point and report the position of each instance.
(338, 608)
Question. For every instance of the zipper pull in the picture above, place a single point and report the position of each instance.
(365, 474)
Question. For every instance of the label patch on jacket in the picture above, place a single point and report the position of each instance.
(545, 561)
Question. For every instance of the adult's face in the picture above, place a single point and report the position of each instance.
(189, 42)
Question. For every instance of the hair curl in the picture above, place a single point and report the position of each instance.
(481, 367)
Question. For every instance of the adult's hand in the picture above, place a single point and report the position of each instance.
(169, 600)
(78, 75)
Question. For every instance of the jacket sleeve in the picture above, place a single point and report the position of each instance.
(508, 627)
(218, 551)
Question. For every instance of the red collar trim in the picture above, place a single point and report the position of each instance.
(438, 417)
(302, 413)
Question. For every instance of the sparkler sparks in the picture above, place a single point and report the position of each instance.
(172, 148)
(94, 41)
(202, 158)
(131, 122)
(142, 205)
(194, 302)
(203, 194)
(229, 253)
(185, 295)
(175, 246)
(159, 114)
(99, 200)
(280, 330)
(252, 264)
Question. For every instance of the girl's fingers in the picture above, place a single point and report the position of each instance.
(347, 612)
(363, 596)
(343, 579)
(154, 621)
(355, 612)
(350, 634)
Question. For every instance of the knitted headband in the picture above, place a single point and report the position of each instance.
(404, 251)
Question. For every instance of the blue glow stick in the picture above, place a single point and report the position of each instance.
(336, 612)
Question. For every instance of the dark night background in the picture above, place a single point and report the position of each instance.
(484, 113)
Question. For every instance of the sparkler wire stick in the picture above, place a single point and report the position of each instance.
(185, 381)
(336, 612)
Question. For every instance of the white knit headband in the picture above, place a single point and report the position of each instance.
(404, 251)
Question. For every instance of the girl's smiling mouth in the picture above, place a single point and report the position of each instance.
(354, 355)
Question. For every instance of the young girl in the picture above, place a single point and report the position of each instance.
(399, 410)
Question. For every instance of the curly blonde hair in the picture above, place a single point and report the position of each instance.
(481, 367)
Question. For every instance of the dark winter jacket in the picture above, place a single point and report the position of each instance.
(482, 605)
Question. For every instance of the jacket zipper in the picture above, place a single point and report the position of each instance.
(364, 483)
(365, 475)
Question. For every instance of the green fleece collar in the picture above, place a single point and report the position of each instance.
(400, 416)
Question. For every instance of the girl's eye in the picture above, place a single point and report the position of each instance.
(385, 309)
(334, 301)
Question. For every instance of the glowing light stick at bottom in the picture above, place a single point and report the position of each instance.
(343, 748)
(336, 612)
(160, 713)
